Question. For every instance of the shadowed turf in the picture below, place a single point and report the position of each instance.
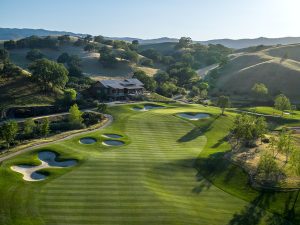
(152, 179)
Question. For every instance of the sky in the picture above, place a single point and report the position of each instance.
(198, 19)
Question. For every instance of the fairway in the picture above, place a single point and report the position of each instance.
(149, 180)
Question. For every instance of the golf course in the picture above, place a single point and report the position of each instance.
(144, 168)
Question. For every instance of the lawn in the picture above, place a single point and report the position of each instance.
(156, 178)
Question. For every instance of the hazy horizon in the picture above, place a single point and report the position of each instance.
(200, 20)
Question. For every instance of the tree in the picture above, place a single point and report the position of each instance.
(69, 96)
(184, 42)
(63, 58)
(151, 54)
(282, 103)
(102, 108)
(135, 42)
(99, 39)
(223, 102)
(88, 38)
(249, 128)
(75, 71)
(49, 74)
(161, 77)
(11, 44)
(182, 73)
(134, 45)
(11, 70)
(295, 161)
(267, 165)
(168, 89)
(44, 127)
(149, 82)
(203, 86)
(130, 55)
(34, 54)
(286, 144)
(9, 131)
(260, 90)
(108, 60)
(64, 39)
(75, 116)
(90, 47)
(4, 55)
(146, 62)
(29, 126)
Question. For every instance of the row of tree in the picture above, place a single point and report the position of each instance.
(11, 130)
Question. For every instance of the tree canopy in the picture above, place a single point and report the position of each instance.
(223, 102)
(49, 74)
(149, 82)
(282, 103)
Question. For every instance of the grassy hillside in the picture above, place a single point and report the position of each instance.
(267, 66)
(163, 48)
(90, 64)
(90, 61)
(20, 91)
(289, 51)
(150, 180)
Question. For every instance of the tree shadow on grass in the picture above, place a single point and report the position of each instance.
(199, 130)
(253, 213)
(217, 169)
(202, 185)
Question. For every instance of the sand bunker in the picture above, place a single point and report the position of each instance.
(147, 107)
(87, 141)
(194, 116)
(112, 143)
(112, 136)
(30, 173)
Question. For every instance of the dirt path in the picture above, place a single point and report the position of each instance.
(204, 71)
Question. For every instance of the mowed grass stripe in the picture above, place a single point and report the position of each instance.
(139, 183)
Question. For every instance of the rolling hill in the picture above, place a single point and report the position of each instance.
(277, 67)
(15, 33)
(90, 64)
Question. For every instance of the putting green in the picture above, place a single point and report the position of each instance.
(150, 180)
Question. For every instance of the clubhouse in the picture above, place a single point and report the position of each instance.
(120, 89)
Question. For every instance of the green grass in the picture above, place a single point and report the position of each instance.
(153, 179)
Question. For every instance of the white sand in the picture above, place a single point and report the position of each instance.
(111, 135)
(147, 108)
(112, 143)
(194, 117)
(47, 158)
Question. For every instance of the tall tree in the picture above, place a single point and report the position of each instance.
(29, 127)
(267, 165)
(4, 55)
(34, 54)
(223, 103)
(260, 90)
(184, 42)
(282, 103)
(49, 74)
(44, 127)
(75, 116)
(149, 82)
(9, 131)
